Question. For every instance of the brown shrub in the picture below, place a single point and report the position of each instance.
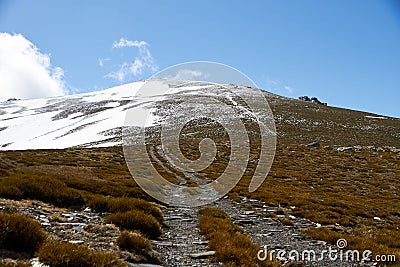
(46, 189)
(134, 242)
(234, 196)
(236, 249)
(10, 191)
(214, 212)
(20, 233)
(60, 254)
(136, 220)
(210, 225)
(323, 234)
(123, 204)
(99, 203)
(232, 246)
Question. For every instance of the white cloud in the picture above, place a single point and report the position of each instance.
(25, 72)
(127, 70)
(128, 43)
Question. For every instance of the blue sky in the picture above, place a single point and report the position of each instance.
(345, 52)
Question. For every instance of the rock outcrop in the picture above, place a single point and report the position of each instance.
(312, 100)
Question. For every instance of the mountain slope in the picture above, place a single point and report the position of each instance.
(321, 193)
(300, 122)
(67, 121)
(95, 119)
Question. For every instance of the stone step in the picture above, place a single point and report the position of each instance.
(202, 255)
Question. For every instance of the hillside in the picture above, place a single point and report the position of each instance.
(95, 119)
(303, 122)
(335, 175)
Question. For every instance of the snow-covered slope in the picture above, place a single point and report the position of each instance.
(90, 119)
(96, 120)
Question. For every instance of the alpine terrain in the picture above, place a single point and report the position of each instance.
(67, 196)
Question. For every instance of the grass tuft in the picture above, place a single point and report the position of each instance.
(136, 220)
(134, 242)
(123, 204)
(60, 254)
(20, 233)
(43, 188)
(232, 246)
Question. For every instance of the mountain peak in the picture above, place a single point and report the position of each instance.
(95, 119)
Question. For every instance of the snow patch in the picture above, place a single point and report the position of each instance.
(376, 117)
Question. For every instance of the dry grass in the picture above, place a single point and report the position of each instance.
(99, 171)
(123, 204)
(213, 213)
(232, 246)
(60, 254)
(20, 233)
(78, 178)
(138, 246)
(134, 242)
(73, 178)
(28, 185)
(380, 242)
(136, 220)
(336, 188)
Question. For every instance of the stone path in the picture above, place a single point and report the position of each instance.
(182, 237)
(182, 244)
